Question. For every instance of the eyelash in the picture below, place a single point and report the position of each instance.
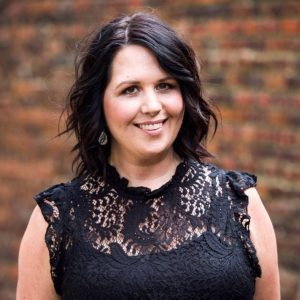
(168, 86)
(126, 91)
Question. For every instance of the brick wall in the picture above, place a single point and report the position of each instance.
(250, 54)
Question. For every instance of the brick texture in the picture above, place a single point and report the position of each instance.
(250, 59)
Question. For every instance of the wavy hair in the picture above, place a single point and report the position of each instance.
(85, 116)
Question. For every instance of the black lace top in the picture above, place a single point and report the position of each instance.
(188, 239)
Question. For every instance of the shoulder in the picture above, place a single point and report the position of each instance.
(33, 238)
(34, 279)
(247, 207)
(203, 169)
(54, 199)
(263, 237)
(238, 181)
(57, 190)
(41, 243)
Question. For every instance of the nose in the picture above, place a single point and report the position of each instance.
(151, 104)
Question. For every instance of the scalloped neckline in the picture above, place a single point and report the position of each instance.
(114, 178)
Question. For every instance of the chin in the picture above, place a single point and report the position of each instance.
(151, 152)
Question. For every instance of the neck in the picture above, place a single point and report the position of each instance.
(151, 173)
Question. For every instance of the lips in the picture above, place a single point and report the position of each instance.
(151, 126)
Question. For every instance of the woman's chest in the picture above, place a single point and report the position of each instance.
(203, 268)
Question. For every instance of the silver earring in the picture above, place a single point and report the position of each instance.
(102, 140)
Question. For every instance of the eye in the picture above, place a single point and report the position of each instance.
(164, 86)
(131, 90)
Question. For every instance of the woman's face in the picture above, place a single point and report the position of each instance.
(143, 105)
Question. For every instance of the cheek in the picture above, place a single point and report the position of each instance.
(118, 113)
(176, 106)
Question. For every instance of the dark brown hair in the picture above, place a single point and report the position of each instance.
(85, 100)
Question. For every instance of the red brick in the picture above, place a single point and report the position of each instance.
(291, 26)
(250, 55)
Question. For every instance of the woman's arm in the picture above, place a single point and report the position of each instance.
(263, 236)
(34, 279)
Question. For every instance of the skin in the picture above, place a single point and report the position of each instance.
(263, 237)
(144, 109)
(34, 280)
(141, 92)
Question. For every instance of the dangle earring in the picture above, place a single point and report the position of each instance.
(102, 140)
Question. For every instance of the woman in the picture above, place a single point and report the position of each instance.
(145, 217)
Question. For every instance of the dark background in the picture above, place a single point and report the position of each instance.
(250, 54)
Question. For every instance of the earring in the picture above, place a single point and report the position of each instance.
(102, 140)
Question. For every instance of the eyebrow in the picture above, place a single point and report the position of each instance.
(133, 82)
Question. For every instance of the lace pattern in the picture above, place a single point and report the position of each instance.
(237, 183)
(201, 209)
(51, 202)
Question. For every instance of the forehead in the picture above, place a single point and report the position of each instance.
(135, 62)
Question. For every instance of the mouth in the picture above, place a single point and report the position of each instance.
(151, 126)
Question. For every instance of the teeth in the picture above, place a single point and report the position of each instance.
(150, 126)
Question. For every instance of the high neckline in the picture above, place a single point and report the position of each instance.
(113, 177)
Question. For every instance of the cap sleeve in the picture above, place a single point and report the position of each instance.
(237, 183)
(52, 204)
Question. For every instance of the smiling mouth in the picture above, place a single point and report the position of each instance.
(151, 126)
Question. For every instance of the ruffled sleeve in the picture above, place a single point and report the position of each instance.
(237, 183)
(52, 204)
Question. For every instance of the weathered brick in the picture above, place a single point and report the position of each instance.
(291, 26)
(250, 60)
